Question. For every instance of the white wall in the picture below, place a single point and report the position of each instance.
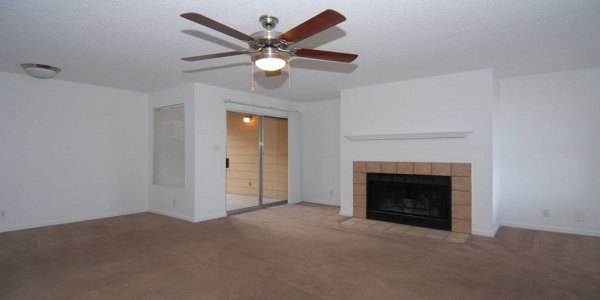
(455, 102)
(178, 202)
(321, 152)
(70, 151)
(548, 150)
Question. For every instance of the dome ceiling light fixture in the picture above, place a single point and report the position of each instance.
(270, 50)
(270, 60)
(40, 70)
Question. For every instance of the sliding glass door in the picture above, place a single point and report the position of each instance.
(256, 161)
(275, 160)
(243, 161)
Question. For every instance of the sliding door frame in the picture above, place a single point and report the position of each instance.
(261, 145)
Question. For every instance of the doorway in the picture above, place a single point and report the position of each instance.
(257, 161)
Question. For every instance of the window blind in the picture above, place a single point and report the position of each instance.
(168, 151)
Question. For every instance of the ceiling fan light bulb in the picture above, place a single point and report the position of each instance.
(270, 63)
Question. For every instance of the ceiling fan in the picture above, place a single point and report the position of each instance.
(270, 50)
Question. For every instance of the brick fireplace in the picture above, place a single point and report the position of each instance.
(460, 174)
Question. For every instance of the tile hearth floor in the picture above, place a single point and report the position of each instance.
(400, 229)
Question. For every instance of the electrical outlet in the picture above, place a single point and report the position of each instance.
(249, 183)
(331, 193)
(174, 202)
(579, 217)
(545, 213)
(3, 213)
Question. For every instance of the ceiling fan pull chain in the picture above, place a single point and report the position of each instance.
(289, 77)
(252, 76)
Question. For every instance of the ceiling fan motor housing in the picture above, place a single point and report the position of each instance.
(269, 38)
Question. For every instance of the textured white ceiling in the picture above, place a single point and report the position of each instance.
(137, 44)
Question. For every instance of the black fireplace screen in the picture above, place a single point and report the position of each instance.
(420, 200)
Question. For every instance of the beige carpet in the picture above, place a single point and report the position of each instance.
(288, 252)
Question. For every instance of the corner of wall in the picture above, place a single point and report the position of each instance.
(321, 152)
(546, 150)
(295, 157)
(54, 132)
(496, 166)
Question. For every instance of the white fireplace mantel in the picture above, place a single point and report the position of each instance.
(408, 136)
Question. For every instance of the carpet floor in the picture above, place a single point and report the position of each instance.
(300, 251)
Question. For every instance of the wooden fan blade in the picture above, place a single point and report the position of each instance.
(316, 24)
(214, 55)
(210, 23)
(326, 55)
(273, 73)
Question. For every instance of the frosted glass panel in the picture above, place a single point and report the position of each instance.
(169, 141)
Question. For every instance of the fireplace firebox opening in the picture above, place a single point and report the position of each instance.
(418, 200)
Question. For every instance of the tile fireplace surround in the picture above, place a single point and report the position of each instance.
(461, 185)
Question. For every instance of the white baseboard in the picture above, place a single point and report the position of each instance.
(72, 220)
(346, 213)
(210, 217)
(171, 214)
(552, 228)
(488, 233)
(187, 218)
(326, 202)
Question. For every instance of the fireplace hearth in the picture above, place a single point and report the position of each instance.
(419, 200)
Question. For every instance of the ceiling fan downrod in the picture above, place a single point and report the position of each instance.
(268, 22)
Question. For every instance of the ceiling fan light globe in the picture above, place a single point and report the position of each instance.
(270, 63)
(40, 70)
